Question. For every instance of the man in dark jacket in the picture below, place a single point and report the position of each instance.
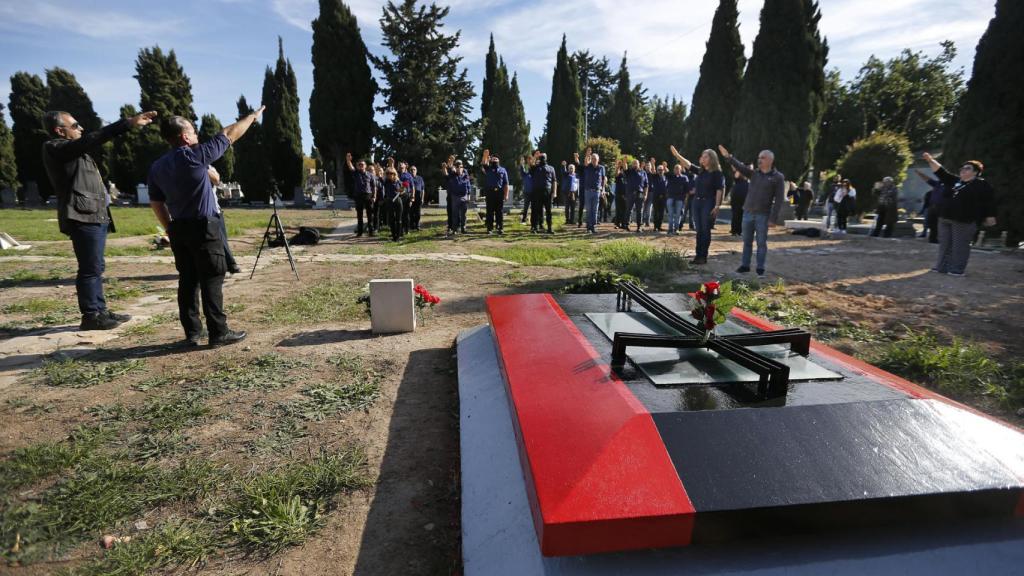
(545, 187)
(765, 196)
(83, 211)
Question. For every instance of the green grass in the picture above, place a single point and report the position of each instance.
(26, 276)
(41, 312)
(266, 372)
(114, 289)
(328, 301)
(284, 507)
(27, 465)
(149, 325)
(173, 412)
(959, 368)
(773, 303)
(75, 373)
(626, 256)
(181, 544)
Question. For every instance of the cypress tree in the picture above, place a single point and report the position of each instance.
(782, 98)
(497, 124)
(490, 70)
(8, 167)
(163, 84)
(983, 126)
(252, 167)
(427, 93)
(281, 133)
(68, 95)
(29, 98)
(565, 111)
(519, 133)
(341, 105)
(125, 172)
(718, 88)
(209, 128)
(621, 122)
(668, 126)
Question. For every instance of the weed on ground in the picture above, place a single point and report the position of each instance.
(77, 373)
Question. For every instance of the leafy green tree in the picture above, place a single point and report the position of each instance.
(840, 124)
(209, 128)
(252, 167)
(910, 94)
(564, 126)
(987, 124)
(596, 82)
(427, 92)
(668, 127)
(783, 94)
(609, 152)
(281, 133)
(719, 84)
(341, 105)
(622, 122)
(8, 167)
(870, 159)
(29, 98)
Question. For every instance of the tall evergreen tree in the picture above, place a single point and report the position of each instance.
(668, 127)
(490, 70)
(163, 84)
(596, 81)
(564, 128)
(252, 166)
(621, 122)
(29, 98)
(983, 126)
(68, 95)
(427, 93)
(125, 172)
(718, 88)
(8, 167)
(783, 93)
(209, 128)
(341, 105)
(281, 133)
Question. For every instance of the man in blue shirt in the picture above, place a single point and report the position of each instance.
(659, 190)
(361, 192)
(545, 187)
(594, 180)
(183, 200)
(495, 191)
(419, 197)
(459, 190)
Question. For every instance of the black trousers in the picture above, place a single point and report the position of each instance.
(198, 247)
(363, 205)
(415, 211)
(495, 199)
(621, 212)
(394, 212)
(540, 208)
(659, 212)
(736, 225)
(526, 205)
(801, 210)
(406, 213)
(884, 216)
(932, 220)
(571, 200)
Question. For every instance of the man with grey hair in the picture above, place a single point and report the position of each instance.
(765, 197)
(83, 208)
(594, 180)
(182, 198)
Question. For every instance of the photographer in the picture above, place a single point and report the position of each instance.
(183, 200)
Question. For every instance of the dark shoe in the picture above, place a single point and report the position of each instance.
(229, 337)
(760, 271)
(118, 317)
(462, 230)
(98, 321)
(699, 261)
(743, 269)
(550, 231)
(195, 339)
(234, 269)
(501, 232)
(957, 274)
(580, 225)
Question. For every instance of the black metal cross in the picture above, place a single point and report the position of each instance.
(773, 376)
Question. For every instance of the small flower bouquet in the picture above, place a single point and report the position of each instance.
(424, 300)
(712, 301)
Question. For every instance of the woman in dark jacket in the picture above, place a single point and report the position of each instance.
(967, 201)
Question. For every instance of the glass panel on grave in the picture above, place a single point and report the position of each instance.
(667, 367)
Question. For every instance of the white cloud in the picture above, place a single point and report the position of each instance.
(64, 17)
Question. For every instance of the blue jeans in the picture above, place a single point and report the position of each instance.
(755, 224)
(701, 209)
(89, 242)
(675, 208)
(648, 208)
(590, 199)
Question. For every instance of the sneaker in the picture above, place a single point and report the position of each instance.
(229, 337)
(118, 317)
(760, 271)
(743, 269)
(98, 321)
(957, 274)
(196, 339)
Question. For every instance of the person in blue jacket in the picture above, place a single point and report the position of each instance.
(495, 191)
(636, 194)
(677, 190)
(659, 190)
(593, 183)
(545, 186)
(459, 190)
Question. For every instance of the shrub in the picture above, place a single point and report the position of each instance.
(870, 159)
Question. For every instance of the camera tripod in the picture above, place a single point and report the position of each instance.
(275, 222)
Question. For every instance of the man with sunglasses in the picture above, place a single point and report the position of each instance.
(83, 208)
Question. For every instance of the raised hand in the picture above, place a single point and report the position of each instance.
(927, 157)
(142, 119)
(258, 112)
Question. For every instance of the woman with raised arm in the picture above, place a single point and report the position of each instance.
(708, 191)
(967, 201)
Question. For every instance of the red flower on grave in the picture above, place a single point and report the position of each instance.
(424, 298)
(704, 308)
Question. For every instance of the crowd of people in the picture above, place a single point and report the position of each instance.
(648, 195)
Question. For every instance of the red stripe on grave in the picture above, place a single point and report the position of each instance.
(873, 372)
(597, 472)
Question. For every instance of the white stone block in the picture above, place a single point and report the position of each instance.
(392, 306)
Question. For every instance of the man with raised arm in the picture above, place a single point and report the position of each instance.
(765, 196)
(495, 191)
(182, 198)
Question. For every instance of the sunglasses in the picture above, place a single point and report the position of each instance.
(76, 126)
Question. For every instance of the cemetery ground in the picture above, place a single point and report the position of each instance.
(315, 447)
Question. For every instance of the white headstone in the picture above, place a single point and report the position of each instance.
(442, 197)
(392, 308)
(142, 195)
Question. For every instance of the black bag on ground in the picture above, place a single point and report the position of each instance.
(307, 236)
(809, 232)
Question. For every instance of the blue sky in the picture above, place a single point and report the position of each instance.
(224, 45)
